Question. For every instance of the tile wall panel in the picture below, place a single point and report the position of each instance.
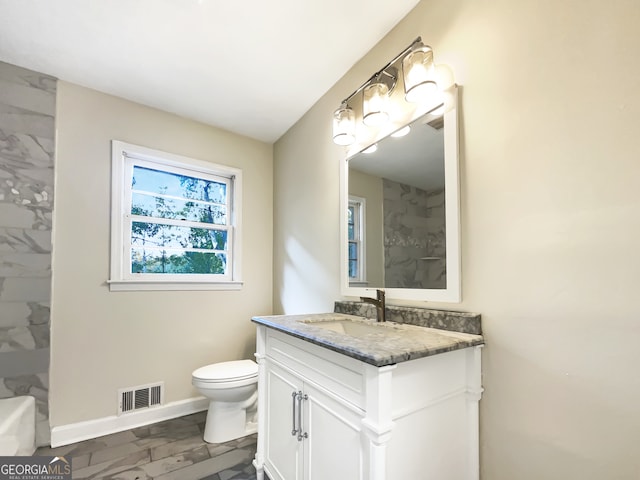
(27, 139)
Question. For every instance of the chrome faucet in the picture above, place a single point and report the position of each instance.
(379, 304)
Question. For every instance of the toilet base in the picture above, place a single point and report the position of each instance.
(228, 421)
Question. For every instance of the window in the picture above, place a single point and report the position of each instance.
(175, 222)
(355, 225)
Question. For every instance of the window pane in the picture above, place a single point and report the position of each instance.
(161, 207)
(353, 268)
(159, 235)
(183, 186)
(351, 232)
(353, 251)
(146, 260)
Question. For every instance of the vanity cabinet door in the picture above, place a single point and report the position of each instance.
(327, 443)
(284, 454)
(332, 449)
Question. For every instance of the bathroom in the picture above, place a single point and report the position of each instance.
(549, 107)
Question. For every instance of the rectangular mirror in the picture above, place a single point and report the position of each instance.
(400, 213)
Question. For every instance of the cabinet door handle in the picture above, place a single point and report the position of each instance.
(294, 397)
(301, 436)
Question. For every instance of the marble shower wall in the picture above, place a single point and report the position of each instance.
(414, 238)
(27, 133)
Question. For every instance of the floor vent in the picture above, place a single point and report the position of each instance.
(142, 396)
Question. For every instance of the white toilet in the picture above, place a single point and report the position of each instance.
(232, 388)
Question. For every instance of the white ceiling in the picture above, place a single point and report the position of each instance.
(253, 67)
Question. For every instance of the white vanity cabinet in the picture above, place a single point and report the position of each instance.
(310, 434)
(325, 415)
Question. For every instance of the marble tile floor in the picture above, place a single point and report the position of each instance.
(170, 450)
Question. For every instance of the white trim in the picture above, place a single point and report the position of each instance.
(143, 285)
(77, 432)
(120, 279)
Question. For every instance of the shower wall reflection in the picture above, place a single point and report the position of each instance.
(402, 184)
(414, 236)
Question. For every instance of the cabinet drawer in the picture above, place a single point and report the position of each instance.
(337, 373)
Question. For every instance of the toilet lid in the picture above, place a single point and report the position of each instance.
(220, 372)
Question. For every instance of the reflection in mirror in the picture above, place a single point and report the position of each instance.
(399, 238)
(402, 214)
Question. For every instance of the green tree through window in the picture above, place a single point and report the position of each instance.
(179, 223)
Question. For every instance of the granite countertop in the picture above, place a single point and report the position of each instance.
(385, 344)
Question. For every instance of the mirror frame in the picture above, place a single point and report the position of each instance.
(453, 291)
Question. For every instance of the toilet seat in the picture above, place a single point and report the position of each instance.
(226, 372)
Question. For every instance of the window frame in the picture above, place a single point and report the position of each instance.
(124, 157)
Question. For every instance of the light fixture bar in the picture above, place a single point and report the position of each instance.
(379, 72)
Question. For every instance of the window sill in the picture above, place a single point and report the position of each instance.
(150, 285)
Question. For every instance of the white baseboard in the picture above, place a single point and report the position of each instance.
(77, 432)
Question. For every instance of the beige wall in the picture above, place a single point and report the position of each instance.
(550, 175)
(103, 340)
(370, 188)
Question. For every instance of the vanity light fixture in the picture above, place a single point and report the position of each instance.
(374, 105)
(418, 73)
(375, 97)
(344, 125)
